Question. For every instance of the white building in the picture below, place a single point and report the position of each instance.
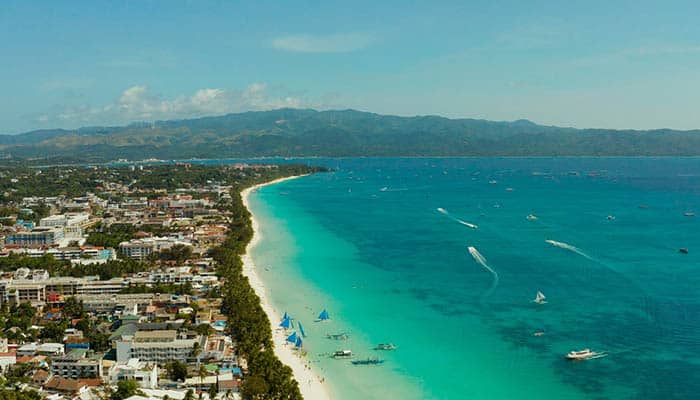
(155, 346)
(145, 374)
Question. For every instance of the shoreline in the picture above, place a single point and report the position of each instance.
(310, 383)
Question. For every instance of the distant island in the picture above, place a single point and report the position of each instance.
(346, 133)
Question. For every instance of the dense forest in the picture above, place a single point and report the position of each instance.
(309, 133)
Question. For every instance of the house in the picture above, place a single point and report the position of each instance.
(7, 360)
(76, 366)
(65, 386)
(160, 346)
(40, 377)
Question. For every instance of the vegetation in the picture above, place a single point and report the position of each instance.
(125, 389)
(177, 371)
(289, 132)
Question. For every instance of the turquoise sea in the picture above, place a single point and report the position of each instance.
(368, 243)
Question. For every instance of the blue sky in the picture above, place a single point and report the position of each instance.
(616, 64)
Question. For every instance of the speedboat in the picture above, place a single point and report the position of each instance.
(689, 214)
(342, 354)
(368, 361)
(585, 354)
(532, 217)
(493, 182)
(385, 346)
(611, 217)
(683, 250)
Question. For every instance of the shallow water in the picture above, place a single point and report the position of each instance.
(368, 243)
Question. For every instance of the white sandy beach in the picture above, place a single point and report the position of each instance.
(309, 382)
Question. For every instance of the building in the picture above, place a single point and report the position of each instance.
(37, 237)
(145, 374)
(140, 249)
(155, 346)
(75, 365)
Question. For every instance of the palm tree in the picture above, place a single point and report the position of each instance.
(202, 373)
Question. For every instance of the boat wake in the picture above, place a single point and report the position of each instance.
(569, 247)
(481, 260)
(455, 219)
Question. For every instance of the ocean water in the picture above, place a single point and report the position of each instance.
(368, 243)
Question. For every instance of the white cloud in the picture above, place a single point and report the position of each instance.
(138, 103)
(336, 43)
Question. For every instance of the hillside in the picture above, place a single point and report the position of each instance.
(291, 132)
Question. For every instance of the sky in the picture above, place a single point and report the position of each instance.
(601, 64)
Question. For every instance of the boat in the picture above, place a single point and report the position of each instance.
(286, 323)
(385, 346)
(611, 217)
(368, 361)
(292, 338)
(301, 329)
(298, 343)
(538, 333)
(689, 214)
(509, 189)
(585, 354)
(323, 316)
(384, 189)
(683, 250)
(540, 298)
(531, 217)
(493, 182)
(338, 336)
(342, 354)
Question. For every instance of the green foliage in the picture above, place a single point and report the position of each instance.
(125, 389)
(10, 394)
(177, 371)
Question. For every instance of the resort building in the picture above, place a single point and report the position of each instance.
(155, 346)
(75, 365)
(37, 237)
(145, 374)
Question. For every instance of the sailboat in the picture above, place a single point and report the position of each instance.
(286, 323)
(301, 330)
(540, 298)
(323, 316)
(298, 343)
(292, 338)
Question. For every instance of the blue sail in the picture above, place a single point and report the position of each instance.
(285, 323)
(298, 343)
(301, 330)
(285, 316)
(324, 315)
(292, 338)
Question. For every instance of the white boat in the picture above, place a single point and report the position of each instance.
(689, 214)
(532, 217)
(385, 346)
(540, 298)
(342, 354)
(611, 217)
(585, 354)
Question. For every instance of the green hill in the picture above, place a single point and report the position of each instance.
(292, 132)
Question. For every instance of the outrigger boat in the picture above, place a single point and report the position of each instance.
(585, 354)
(385, 346)
(368, 361)
(338, 336)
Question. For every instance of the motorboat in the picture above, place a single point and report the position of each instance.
(689, 214)
(611, 217)
(531, 217)
(385, 346)
(683, 250)
(585, 354)
(342, 354)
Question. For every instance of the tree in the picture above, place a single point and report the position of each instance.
(213, 391)
(202, 372)
(73, 308)
(177, 370)
(125, 389)
(254, 388)
(189, 395)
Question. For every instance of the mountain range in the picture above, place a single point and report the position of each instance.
(344, 133)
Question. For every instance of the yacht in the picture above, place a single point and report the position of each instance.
(540, 298)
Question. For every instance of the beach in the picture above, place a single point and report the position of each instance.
(310, 383)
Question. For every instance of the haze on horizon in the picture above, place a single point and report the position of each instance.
(592, 64)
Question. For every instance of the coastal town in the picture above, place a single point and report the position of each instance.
(125, 283)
